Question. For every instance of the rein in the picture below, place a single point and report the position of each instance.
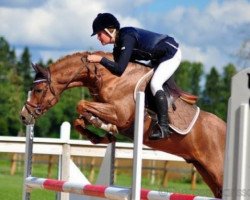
(38, 108)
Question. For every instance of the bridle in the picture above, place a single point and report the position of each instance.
(39, 108)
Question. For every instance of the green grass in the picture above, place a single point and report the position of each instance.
(11, 187)
(173, 186)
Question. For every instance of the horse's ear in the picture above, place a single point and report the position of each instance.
(34, 67)
(39, 69)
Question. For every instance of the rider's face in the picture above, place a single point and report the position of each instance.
(103, 37)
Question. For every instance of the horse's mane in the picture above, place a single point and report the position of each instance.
(64, 58)
(69, 56)
(83, 54)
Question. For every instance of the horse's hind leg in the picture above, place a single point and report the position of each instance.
(210, 136)
(209, 179)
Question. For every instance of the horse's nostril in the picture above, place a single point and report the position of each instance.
(22, 118)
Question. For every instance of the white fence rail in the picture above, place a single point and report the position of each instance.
(53, 146)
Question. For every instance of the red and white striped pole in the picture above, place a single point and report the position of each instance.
(108, 192)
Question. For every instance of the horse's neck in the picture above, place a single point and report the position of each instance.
(71, 72)
(65, 73)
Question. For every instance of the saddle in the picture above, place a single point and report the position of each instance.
(182, 110)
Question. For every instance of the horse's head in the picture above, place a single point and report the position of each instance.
(67, 72)
(41, 97)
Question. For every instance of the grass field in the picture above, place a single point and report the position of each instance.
(11, 186)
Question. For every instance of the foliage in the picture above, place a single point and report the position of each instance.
(11, 87)
(16, 78)
(188, 76)
(217, 91)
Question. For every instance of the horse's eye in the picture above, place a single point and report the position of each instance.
(38, 90)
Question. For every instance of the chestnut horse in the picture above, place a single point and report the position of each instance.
(113, 109)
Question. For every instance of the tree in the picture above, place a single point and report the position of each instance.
(196, 74)
(212, 97)
(188, 77)
(11, 89)
(4, 51)
(182, 76)
(228, 72)
(7, 58)
(24, 68)
(15, 103)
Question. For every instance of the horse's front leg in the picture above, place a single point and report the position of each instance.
(111, 128)
(93, 112)
(80, 126)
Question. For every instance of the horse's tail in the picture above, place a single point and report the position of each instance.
(177, 92)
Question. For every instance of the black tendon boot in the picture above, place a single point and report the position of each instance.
(161, 130)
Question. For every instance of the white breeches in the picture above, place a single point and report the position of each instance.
(164, 71)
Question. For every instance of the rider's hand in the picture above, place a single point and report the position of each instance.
(94, 58)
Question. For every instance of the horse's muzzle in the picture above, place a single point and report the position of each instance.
(26, 118)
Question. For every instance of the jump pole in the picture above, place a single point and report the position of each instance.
(138, 142)
(237, 161)
(106, 192)
(28, 159)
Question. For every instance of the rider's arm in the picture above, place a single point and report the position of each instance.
(121, 63)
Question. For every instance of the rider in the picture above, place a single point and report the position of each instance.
(132, 44)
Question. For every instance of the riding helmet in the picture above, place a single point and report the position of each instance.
(104, 20)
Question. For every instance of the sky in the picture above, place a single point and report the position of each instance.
(208, 31)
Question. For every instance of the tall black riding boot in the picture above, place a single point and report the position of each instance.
(162, 130)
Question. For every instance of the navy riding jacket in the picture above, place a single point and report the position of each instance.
(137, 44)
